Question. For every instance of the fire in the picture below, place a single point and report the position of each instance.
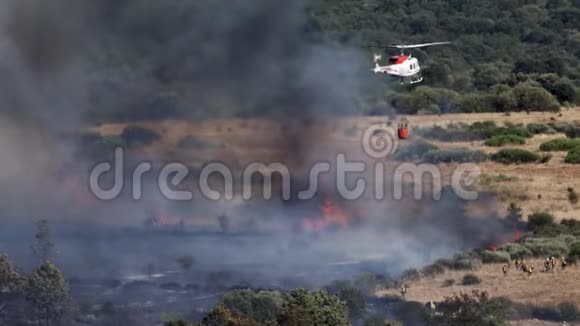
(515, 236)
(331, 215)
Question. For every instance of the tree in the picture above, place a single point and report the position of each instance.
(538, 220)
(534, 98)
(10, 282)
(47, 291)
(43, 246)
(476, 310)
(262, 306)
(303, 308)
(222, 316)
(351, 296)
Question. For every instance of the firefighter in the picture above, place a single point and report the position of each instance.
(547, 264)
(518, 264)
(530, 270)
(563, 263)
(504, 269)
(403, 290)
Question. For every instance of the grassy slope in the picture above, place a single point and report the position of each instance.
(247, 141)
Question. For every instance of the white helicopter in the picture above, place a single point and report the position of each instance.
(403, 66)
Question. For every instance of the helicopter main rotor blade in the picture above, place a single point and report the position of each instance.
(412, 46)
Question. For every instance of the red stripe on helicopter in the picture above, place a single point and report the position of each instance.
(398, 59)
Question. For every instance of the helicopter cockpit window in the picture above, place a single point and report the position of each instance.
(393, 60)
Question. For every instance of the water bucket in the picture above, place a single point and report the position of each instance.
(403, 131)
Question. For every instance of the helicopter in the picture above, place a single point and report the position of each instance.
(404, 66)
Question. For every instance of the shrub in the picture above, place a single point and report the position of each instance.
(190, 142)
(414, 151)
(572, 196)
(262, 306)
(454, 156)
(574, 250)
(573, 132)
(545, 247)
(514, 155)
(483, 129)
(561, 126)
(476, 309)
(538, 128)
(537, 220)
(138, 136)
(448, 282)
(498, 141)
(515, 250)
(560, 144)
(488, 257)
(514, 131)
(573, 156)
(467, 264)
(534, 98)
(470, 279)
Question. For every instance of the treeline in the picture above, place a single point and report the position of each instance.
(152, 60)
(505, 56)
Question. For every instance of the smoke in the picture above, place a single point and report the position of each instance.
(66, 64)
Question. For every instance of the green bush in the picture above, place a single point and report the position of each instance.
(561, 127)
(546, 247)
(414, 151)
(574, 250)
(560, 144)
(534, 98)
(537, 220)
(573, 132)
(498, 141)
(467, 264)
(515, 250)
(454, 156)
(538, 128)
(489, 257)
(573, 156)
(190, 142)
(514, 131)
(470, 279)
(514, 156)
(477, 103)
(483, 129)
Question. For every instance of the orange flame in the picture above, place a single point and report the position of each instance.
(331, 215)
(515, 236)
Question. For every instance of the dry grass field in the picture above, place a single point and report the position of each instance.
(239, 142)
(542, 289)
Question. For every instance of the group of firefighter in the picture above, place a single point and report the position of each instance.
(549, 266)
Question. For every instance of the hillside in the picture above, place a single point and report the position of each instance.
(241, 142)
